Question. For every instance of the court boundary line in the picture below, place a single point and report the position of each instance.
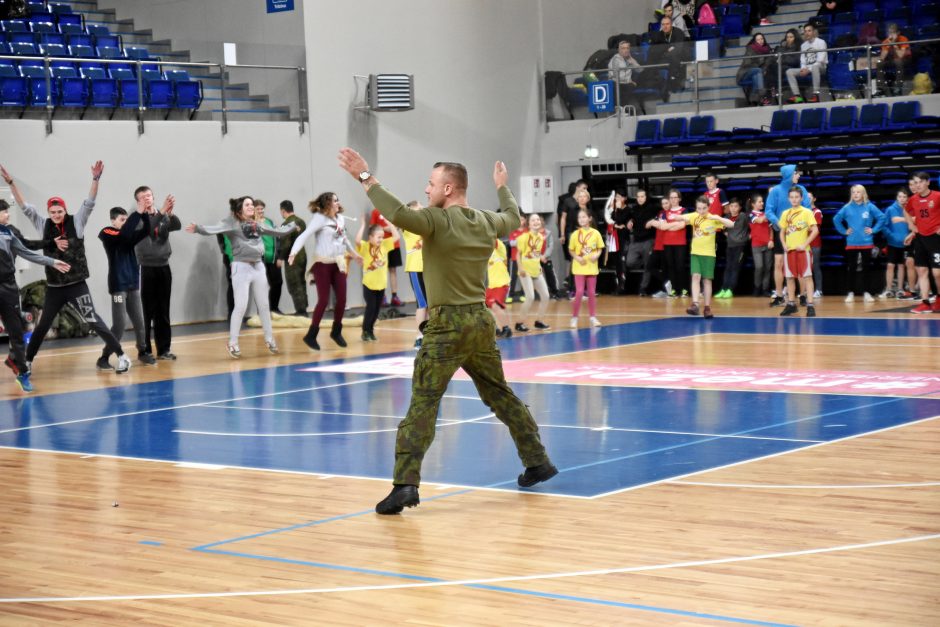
(661, 432)
(308, 435)
(759, 486)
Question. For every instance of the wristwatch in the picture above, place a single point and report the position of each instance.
(365, 175)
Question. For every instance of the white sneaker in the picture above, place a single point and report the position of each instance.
(234, 352)
(773, 293)
(271, 346)
(817, 294)
(123, 364)
(574, 323)
(850, 297)
(868, 298)
(595, 322)
(668, 287)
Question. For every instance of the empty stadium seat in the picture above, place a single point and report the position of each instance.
(872, 117)
(782, 123)
(14, 90)
(647, 133)
(673, 130)
(903, 115)
(812, 121)
(842, 119)
(700, 126)
(103, 90)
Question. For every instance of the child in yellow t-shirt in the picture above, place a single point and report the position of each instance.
(374, 251)
(414, 268)
(531, 250)
(704, 226)
(585, 246)
(798, 230)
(497, 286)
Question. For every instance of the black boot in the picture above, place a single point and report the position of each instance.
(337, 334)
(537, 474)
(400, 497)
(311, 339)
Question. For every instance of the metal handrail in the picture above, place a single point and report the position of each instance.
(223, 68)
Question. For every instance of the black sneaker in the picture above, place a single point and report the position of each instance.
(810, 311)
(103, 364)
(802, 300)
(12, 366)
(521, 328)
(777, 301)
(338, 338)
(167, 356)
(311, 341)
(507, 332)
(537, 474)
(789, 310)
(499, 333)
(146, 359)
(541, 325)
(399, 498)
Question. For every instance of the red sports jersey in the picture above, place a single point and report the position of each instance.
(514, 253)
(760, 231)
(658, 242)
(926, 212)
(674, 238)
(716, 201)
(817, 241)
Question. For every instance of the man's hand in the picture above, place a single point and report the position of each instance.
(191, 227)
(61, 242)
(7, 177)
(61, 266)
(352, 162)
(804, 71)
(97, 170)
(500, 174)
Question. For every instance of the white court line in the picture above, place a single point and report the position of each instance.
(709, 435)
(485, 581)
(709, 337)
(188, 405)
(605, 348)
(758, 486)
(676, 480)
(184, 340)
(306, 411)
(319, 434)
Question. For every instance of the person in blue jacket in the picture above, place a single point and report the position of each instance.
(859, 220)
(777, 202)
(896, 231)
(119, 241)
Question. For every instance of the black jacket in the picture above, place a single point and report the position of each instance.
(123, 269)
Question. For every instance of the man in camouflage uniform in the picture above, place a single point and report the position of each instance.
(460, 332)
(294, 274)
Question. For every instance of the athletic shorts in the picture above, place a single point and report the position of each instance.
(417, 286)
(704, 265)
(497, 296)
(394, 258)
(897, 256)
(778, 244)
(927, 251)
(798, 264)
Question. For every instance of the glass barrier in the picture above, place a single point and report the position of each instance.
(742, 79)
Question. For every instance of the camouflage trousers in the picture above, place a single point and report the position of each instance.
(460, 336)
(296, 285)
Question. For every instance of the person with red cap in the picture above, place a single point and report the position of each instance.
(63, 238)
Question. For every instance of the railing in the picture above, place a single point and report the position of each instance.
(301, 74)
(705, 70)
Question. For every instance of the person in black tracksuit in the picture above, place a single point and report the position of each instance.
(64, 238)
(119, 240)
(156, 278)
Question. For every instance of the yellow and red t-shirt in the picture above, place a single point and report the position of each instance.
(497, 273)
(704, 228)
(531, 246)
(375, 263)
(795, 224)
(414, 262)
(585, 241)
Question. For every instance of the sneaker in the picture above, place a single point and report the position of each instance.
(22, 380)
(537, 474)
(574, 323)
(795, 99)
(922, 308)
(667, 287)
(372, 337)
(8, 362)
(234, 352)
(365, 337)
(660, 294)
(936, 305)
(399, 498)
(886, 294)
(685, 293)
(868, 298)
(396, 302)
(810, 311)
(766, 101)
(905, 295)
(817, 294)
(337, 337)
(522, 299)
(507, 332)
(103, 364)
(123, 364)
(777, 301)
(720, 294)
(802, 300)
(765, 21)
(693, 310)
(271, 347)
(595, 322)
(521, 328)
(509, 300)
(707, 313)
(541, 325)
(789, 310)
(420, 341)
(167, 356)
(850, 297)
(147, 359)
(813, 98)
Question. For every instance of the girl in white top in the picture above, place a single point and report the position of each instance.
(329, 263)
(531, 249)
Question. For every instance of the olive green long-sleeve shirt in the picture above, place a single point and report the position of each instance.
(457, 242)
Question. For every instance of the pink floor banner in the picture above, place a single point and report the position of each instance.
(667, 376)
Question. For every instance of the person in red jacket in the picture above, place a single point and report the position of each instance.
(762, 245)
(923, 210)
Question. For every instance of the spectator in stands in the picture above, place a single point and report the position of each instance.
(668, 46)
(831, 7)
(622, 67)
(893, 63)
(677, 21)
(685, 9)
(789, 48)
(753, 69)
(813, 62)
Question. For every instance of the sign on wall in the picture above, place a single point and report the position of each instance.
(601, 97)
(275, 6)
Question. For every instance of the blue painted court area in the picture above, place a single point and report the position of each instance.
(604, 439)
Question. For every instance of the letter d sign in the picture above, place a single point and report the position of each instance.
(601, 98)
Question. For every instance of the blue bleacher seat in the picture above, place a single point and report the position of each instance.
(893, 178)
(109, 41)
(733, 26)
(39, 93)
(647, 133)
(921, 16)
(43, 27)
(740, 158)
(136, 52)
(24, 48)
(103, 91)
(782, 123)
(903, 114)
(56, 50)
(15, 26)
(127, 87)
(188, 94)
(81, 51)
(14, 90)
(700, 126)
(796, 155)
(740, 185)
(830, 180)
(41, 16)
(894, 150)
(765, 157)
(23, 38)
(108, 52)
(80, 39)
(70, 19)
(860, 178)
(842, 119)
(829, 153)
(873, 117)
(812, 121)
(98, 29)
(71, 29)
(684, 161)
(52, 38)
(861, 152)
(925, 149)
(35, 5)
(673, 130)
(59, 8)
